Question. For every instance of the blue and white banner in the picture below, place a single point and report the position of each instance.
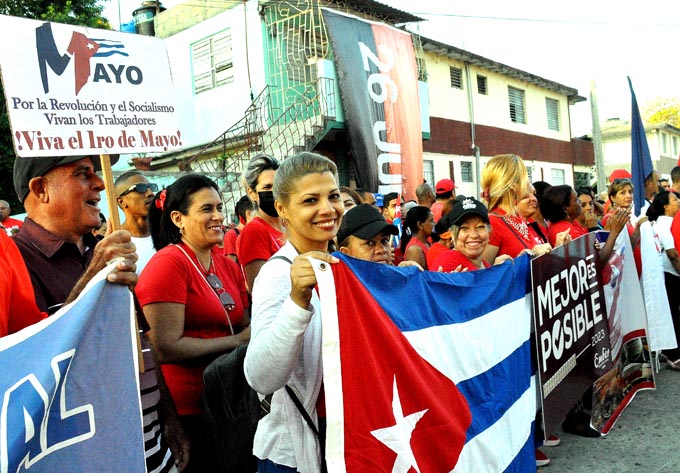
(69, 388)
(427, 371)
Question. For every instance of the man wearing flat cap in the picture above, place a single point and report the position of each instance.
(61, 197)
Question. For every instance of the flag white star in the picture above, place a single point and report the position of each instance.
(398, 437)
(90, 46)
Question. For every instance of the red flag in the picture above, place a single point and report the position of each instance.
(82, 48)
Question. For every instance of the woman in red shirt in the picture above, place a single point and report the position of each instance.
(193, 297)
(621, 197)
(504, 182)
(561, 208)
(418, 226)
(469, 228)
(264, 235)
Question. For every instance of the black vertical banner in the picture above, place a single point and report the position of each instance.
(572, 333)
(360, 111)
(378, 80)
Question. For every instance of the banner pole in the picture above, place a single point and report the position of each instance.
(114, 220)
(114, 224)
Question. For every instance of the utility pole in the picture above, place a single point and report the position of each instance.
(597, 141)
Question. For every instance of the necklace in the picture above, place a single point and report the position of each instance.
(520, 226)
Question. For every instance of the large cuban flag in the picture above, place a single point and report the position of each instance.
(69, 395)
(425, 371)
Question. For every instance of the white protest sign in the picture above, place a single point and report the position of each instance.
(81, 91)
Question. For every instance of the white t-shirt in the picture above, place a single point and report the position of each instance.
(662, 229)
(145, 251)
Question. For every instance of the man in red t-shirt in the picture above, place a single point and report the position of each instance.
(245, 211)
(444, 191)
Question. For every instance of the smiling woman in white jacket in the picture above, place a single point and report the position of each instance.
(285, 345)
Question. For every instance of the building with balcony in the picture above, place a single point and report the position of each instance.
(259, 76)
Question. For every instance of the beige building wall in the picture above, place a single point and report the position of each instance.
(491, 109)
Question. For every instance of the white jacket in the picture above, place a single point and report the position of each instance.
(285, 348)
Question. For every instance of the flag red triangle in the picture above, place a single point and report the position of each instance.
(377, 362)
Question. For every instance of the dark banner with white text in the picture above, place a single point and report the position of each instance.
(572, 334)
(378, 80)
(591, 330)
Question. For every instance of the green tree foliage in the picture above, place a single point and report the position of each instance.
(73, 12)
(662, 110)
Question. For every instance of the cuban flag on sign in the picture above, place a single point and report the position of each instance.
(427, 372)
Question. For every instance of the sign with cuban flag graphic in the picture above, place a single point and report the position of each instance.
(80, 91)
(427, 371)
(69, 392)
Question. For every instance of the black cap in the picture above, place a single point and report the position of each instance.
(26, 169)
(364, 221)
(467, 206)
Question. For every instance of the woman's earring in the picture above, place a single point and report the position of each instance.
(181, 231)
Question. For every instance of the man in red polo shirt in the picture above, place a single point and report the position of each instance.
(444, 191)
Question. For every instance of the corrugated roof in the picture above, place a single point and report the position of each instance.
(378, 10)
(473, 59)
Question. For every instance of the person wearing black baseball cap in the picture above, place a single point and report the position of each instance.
(468, 224)
(365, 234)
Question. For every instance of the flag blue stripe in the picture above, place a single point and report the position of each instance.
(526, 457)
(467, 299)
(110, 53)
(641, 164)
(493, 392)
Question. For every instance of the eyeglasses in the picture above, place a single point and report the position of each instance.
(226, 300)
(140, 187)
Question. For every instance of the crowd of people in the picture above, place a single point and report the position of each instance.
(204, 286)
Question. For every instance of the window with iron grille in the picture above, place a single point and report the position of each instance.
(557, 177)
(456, 74)
(428, 171)
(530, 173)
(466, 171)
(482, 85)
(516, 100)
(212, 62)
(552, 108)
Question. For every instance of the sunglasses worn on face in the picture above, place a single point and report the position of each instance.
(226, 300)
(141, 187)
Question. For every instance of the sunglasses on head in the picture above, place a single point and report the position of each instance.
(226, 300)
(141, 187)
(622, 180)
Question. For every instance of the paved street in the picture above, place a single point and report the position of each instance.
(643, 439)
